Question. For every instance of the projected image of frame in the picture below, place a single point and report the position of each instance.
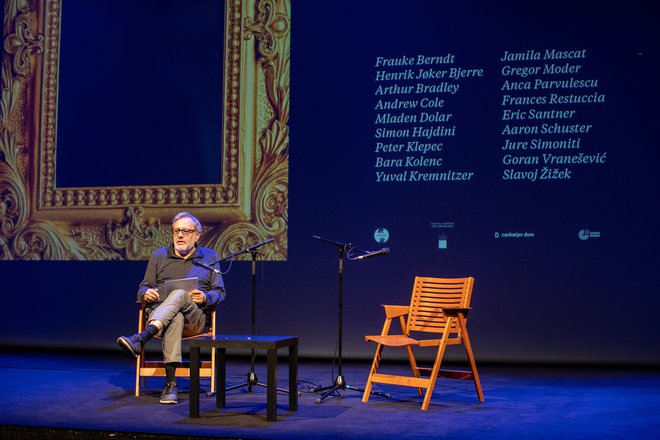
(48, 210)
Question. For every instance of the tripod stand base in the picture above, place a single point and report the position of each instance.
(252, 381)
(340, 384)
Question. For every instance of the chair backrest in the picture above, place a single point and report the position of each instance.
(209, 330)
(430, 296)
(209, 313)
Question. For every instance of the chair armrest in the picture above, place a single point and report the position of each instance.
(394, 311)
(454, 311)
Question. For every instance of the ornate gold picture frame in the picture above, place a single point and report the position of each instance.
(38, 220)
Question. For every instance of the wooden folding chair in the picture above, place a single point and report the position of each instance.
(151, 368)
(438, 307)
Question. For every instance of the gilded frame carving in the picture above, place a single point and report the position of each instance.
(38, 220)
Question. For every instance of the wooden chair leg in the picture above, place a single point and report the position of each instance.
(413, 365)
(470, 355)
(213, 370)
(374, 369)
(434, 372)
(138, 363)
(137, 376)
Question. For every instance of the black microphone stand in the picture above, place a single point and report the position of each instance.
(339, 382)
(252, 379)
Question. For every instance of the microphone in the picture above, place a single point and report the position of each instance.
(383, 251)
(206, 266)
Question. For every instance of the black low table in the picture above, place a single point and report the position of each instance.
(269, 343)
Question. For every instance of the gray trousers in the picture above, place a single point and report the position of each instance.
(181, 317)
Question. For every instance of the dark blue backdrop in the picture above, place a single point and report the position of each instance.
(551, 298)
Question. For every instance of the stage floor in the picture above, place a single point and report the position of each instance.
(76, 394)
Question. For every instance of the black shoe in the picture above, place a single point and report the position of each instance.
(169, 393)
(131, 345)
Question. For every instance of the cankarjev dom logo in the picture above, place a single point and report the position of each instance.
(586, 234)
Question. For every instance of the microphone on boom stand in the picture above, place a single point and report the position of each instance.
(383, 251)
(339, 383)
(206, 266)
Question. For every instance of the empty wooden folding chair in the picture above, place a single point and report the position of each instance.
(436, 317)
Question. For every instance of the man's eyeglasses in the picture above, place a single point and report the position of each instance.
(185, 232)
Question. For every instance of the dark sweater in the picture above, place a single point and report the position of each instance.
(164, 265)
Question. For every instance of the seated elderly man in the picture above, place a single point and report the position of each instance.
(181, 313)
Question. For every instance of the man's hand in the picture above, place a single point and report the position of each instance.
(197, 296)
(151, 295)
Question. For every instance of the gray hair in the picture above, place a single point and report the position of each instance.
(198, 224)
